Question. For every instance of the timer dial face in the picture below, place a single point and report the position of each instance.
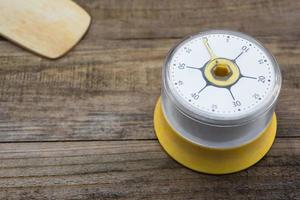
(222, 74)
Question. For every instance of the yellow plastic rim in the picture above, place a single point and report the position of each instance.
(210, 160)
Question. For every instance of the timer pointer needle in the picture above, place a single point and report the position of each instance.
(210, 51)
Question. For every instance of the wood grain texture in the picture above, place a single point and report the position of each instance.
(137, 170)
(81, 127)
(106, 90)
(140, 19)
(48, 28)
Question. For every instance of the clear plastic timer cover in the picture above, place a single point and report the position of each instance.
(222, 76)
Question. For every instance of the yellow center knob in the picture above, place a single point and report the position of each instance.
(221, 72)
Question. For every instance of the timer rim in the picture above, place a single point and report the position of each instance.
(202, 116)
(212, 160)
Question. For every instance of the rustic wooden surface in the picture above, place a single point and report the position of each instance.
(81, 127)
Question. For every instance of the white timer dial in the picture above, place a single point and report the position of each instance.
(225, 75)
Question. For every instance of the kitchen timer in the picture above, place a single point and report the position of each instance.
(216, 112)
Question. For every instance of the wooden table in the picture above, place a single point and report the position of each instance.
(81, 127)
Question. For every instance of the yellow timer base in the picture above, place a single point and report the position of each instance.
(211, 160)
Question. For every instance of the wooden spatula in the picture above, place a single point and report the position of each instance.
(47, 27)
